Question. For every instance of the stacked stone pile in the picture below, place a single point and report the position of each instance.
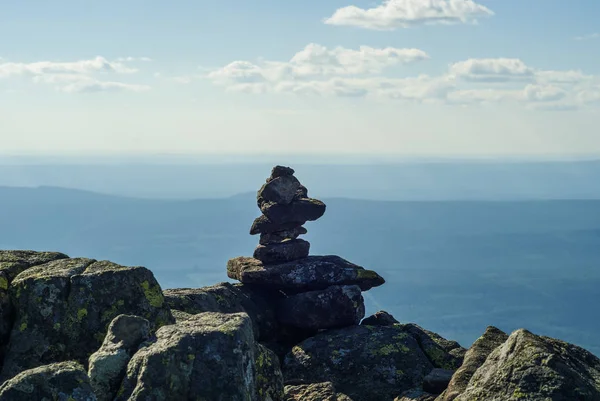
(318, 292)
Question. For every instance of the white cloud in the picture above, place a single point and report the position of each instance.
(393, 14)
(92, 86)
(492, 70)
(589, 36)
(133, 59)
(76, 76)
(362, 73)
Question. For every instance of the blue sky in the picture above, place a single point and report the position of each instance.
(407, 77)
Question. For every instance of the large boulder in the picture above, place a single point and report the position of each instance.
(336, 306)
(211, 356)
(63, 381)
(311, 273)
(532, 367)
(229, 298)
(64, 307)
(367, 363)
(474, 358)
(108, 365)
(300, 210)
(314, 392)
(11, 264)
(283, 252)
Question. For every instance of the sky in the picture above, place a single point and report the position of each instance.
(379, 77)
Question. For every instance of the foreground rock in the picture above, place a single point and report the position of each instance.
(366, 363)
(211, 356)
(229, 298)
(313, 309)
(64, 381)
(107, 366)
(63, 309)
(533, 367)
(415, 395)
(443, 354)
(474, 358)
(314, 392)
(11, 264)
(437, 380)
(311, 273)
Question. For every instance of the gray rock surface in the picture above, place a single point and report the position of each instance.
(262, 225)
(334, 307)
(381, 318)
(474, 358)
(280, 236)
(300, 210)
(211, 356)
(229, 298)
(531, 367)
(311, 273)
(314, 392)
(367, 363)
(63, 381)
(443, 353)
(63, 309)
(108, 365)
(280, 190)
(286, 251)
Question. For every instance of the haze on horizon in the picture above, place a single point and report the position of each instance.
(396, 77)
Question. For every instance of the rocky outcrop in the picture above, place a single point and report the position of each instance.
(108, 365)
(66, 381)
(474, 358)
(381, 318)
(368, 363)
(230, 298)
(212, 356)
(314, 392)
(63, 309)
(533, 367)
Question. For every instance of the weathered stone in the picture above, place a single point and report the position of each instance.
(334, 307)
(381, 318)
(415, 395)
(211, 356)
(229, 298)
(281, 171)
(442, 353)
(437, 380)
(474, 358)
(180, 316)
(314, 392)
(533, 367)
(300, 210)
(284, 252)
(14, 262)
(108, 365)
(63, 381)
(262, 225)
(63, 309)
(280, 236)
(269, 379)
(11, 264)
(311, 273)
(367, 363)
(280, 190)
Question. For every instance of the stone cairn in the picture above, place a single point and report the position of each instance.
(317, 292)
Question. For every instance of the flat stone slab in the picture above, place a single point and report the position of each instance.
(301, 210)
(310, 273)
(283, 252)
